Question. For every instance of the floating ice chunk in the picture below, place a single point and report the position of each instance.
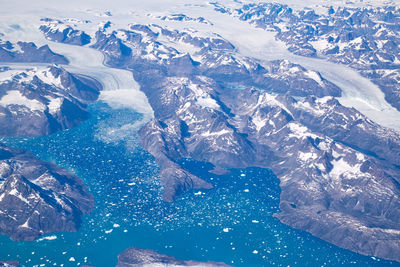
(226, 230)
(197, 193)
(115, 225)
(255, 221)
(255, 251)
(52, 237)
(246, 190)
(72, 259)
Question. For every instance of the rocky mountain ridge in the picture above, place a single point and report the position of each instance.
(135, 257)
(366, 39)
(28, 52)
(338, 170)
(329, 179)
(38, 197)
(41, 101)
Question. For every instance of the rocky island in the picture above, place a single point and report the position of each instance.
(37, 197)
(135, 257)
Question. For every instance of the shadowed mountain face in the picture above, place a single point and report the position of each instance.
(366, 39)
(37, 197)
(135, 257)
(42, 101)
(57, 31)
(28, 52)
(336, 167)
(338, 170)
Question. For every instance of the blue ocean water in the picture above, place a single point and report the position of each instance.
(232, 223)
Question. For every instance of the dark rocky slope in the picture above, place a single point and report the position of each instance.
(37, 197)
(57, 31)
(135, 257)
(28, 52)
(39, 102)
(366, 38)
(337, 169)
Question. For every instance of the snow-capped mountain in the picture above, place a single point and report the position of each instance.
(40, 101)
(213, 105)
(38, 197)
(28, 52)
(183, 18)
(58, 31)
(216, 101)
(367, 39)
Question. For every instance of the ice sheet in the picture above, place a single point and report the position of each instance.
(358, 92)
(83, 60)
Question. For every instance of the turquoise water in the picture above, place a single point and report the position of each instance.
(232, 223)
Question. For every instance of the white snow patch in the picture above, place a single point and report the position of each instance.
(299, 131)
(259, 122)
(307, 156)
(222, 132)
(360, 156)
(307, 107)
(15, 97)
(25, 224)
(320, 44)
(208, 102)
(54, 104)
(16, 193)
(47, 77)
(271, 100)
(341, 167)
(315, 76)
